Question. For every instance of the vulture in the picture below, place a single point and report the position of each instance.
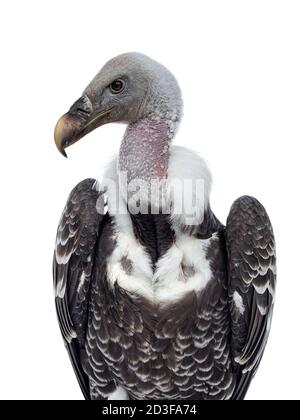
(156, 298)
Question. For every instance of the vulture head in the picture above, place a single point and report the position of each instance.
(140, 92)
(129, 88)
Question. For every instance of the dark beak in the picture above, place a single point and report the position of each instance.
(75, 124)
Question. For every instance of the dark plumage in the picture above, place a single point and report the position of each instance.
(151, 307)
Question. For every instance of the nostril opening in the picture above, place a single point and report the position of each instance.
(81, 107)
(82, 111)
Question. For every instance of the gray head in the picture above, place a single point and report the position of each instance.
(129, 88)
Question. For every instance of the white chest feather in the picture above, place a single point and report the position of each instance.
(182, 269)
(185, 266)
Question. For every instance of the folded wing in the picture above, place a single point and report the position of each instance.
(252, 275)
(76, 240)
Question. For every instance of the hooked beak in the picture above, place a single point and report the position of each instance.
(77, 122)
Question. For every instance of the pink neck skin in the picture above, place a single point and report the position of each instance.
(144, 151)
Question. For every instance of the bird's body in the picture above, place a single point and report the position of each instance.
(161, 304)
(175, 347)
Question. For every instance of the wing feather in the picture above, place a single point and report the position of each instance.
(252, 276)
(76, 240)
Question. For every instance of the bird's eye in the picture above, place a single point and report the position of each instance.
(117, 86)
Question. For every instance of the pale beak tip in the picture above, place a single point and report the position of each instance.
(59, 134)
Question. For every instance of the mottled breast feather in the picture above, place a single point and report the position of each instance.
(173, 349)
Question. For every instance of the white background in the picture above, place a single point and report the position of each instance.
(238, 64)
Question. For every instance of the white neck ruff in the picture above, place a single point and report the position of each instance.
(185, 168)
